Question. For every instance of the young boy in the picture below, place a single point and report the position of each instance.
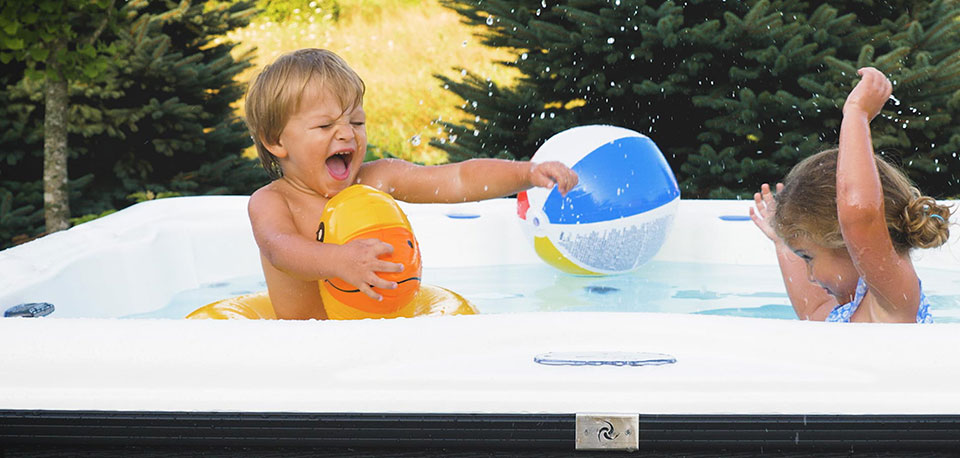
(305, 113)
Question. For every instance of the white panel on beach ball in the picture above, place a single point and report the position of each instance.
(617, 216)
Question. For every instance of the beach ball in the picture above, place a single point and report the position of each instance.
(620, 212)
(362, 212)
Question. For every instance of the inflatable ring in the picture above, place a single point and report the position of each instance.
(429, 301)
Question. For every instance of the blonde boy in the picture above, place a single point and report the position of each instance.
(305, 113)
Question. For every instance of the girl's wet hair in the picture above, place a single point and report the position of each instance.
(276, 92)
(807, 206)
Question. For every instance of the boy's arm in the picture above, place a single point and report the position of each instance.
(471, 180)
(309, 260)
(860, 206)
(809, 301)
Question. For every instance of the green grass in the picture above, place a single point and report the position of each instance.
(396, 46)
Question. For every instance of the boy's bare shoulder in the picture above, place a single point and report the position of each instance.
(266, 198)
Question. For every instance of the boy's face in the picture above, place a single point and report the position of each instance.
(322, 146)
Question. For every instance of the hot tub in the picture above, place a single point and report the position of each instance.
(108, 365)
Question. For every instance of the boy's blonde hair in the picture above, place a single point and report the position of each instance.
(807, 206)
(276, 92)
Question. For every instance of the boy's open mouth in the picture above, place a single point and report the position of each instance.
(338, 165)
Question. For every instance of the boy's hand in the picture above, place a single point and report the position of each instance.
(870, 93)
(766, 209)
(547, 174)
(361, 264)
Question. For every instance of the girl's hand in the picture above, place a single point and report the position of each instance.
(547, 174)
(765, 211)
(360, 263)
(870, 94)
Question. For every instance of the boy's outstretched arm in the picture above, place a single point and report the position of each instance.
(472, 180)
(809, 301)
(860, 206)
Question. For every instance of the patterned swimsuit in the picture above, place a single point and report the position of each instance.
(842, 313)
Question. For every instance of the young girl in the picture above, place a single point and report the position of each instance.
(844, 222)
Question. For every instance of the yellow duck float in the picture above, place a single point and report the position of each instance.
(360, 212)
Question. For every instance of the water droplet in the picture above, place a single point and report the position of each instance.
(489, 20)
(610, 41)
(415, 140)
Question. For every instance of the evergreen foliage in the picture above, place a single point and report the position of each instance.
(734, 93)
(160, 123)
(62, 30)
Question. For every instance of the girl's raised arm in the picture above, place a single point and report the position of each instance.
(809, 301)
(860, 206)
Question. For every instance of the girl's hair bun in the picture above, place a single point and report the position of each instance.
(926, 223)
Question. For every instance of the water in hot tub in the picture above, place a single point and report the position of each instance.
(658, 286)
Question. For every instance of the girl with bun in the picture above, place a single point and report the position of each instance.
(844, 222)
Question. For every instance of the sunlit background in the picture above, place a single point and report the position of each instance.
(396, 46)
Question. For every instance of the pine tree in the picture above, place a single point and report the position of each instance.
(734, 93)
(162, 124)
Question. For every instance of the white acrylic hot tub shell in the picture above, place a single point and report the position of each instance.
(134, 260)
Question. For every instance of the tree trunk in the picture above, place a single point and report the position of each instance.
(56, 199)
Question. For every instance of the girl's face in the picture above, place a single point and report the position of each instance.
(322, 146)
(831, 268)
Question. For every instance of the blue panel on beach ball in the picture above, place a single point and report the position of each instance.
(621, 178)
